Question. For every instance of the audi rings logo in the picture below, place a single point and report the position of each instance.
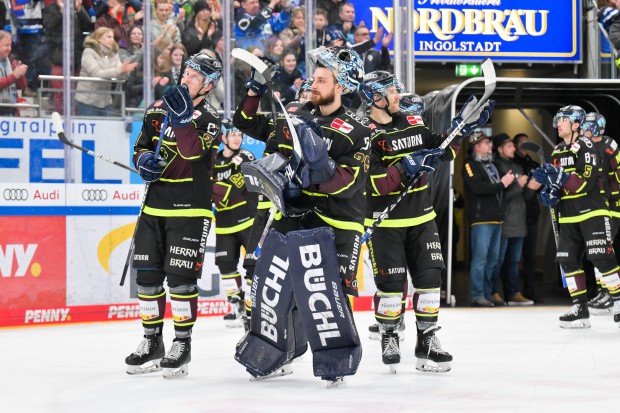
(15, 194)
(94, 195)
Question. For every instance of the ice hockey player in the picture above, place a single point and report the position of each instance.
(571, 182)
(173, 227)
(235, 209)
(402, 149)
(607, 151)
(326, 196)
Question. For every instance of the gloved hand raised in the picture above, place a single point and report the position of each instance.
(179, 105)
(422, 160)
(257, 83)
(474, 118)
(149, 167)
(550, 196)
(550, 175)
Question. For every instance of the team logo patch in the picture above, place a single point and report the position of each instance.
(196, 114)
(415, 120)
(341, 125)
(372, 126)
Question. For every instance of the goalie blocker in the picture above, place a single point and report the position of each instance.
(301, 267)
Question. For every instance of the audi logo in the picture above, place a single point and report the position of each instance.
(94, 195)
(15, 194)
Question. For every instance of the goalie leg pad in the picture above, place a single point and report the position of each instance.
(270, 343)
(322, 305)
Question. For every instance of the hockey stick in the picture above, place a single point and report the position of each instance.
(518, 101)
(57, 122)
(490, 81)
(532, 147)
(146, 192)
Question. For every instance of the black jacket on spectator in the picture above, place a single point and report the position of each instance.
(485, 198)
(52, 27)
(194, 44)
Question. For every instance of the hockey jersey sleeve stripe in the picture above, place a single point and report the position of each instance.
(347, 174)
(583, 217)
(340, 133)
(346, 225)
(411, 191)
(191, 212)
(177, 180)
(265, 204)
(401, 223)
(234, 229)
(230, 208)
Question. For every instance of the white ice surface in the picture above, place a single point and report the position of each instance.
(505, 360)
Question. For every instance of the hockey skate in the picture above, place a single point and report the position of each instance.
(176, 361)
(234, 319)
(431, 357)
(333, 382)
(390, 350)
(577, 317)
(282, 371)
(147, 357)
(374, 334)
(617, 312)
(602, 304)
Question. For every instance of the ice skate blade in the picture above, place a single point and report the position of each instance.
(334, 382)
(576, 324)
(429, 366)
(601, 311)
(283, 371)
(144, 368)
(176, 372)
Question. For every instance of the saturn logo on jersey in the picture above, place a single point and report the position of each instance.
(415, 120)
(341, 125)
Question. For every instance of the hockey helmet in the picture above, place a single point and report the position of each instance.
(595, 123)
(412, 103)
(206, 65)
(305, 87)
(573, 113)
(345, 63)
(228, 127)
(377, 83)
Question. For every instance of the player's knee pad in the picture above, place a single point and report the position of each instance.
(388, 308)
(426, 302)
(428, 278)
(150, 278)
(270, 343)
(322, 304)
(184, 303)
(231, 284)
(152, 301)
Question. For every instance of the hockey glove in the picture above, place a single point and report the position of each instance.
(149, 167)
(180, 105)
(473, 118)
(257, 82)
(423, 160)
(550, 175)
(550, 196)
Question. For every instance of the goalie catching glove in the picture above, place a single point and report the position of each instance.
(473, 117)
(179, 105)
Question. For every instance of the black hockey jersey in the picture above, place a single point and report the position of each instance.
(235, 207)
(581, 197)
(609, 171)
(390, 143)
(185, 187)
(340, 201)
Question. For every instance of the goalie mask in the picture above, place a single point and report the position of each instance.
(595, 123)
(346, 65)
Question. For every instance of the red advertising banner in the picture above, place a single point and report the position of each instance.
(32, 262)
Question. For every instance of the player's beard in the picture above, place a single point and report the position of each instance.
(321, 100)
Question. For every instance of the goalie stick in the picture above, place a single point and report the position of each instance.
(60, 132)
(490, 81)
(532, 147)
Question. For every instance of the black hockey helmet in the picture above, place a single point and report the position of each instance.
(573, 113)
(206, 65)
(412, 103)
(377, 83)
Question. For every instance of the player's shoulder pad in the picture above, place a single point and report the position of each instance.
(404, 119)
(360, 120)
(247, 155)
(587, 142)
(156, 107)
(205, 109)
(294, 106)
